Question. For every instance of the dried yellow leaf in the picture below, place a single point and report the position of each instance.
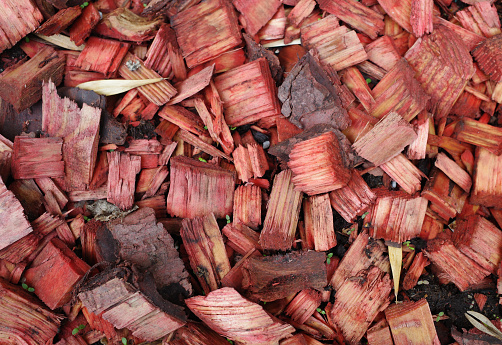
(108, 87)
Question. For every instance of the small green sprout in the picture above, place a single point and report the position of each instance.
(230, 341)
(202, 160)
(368, 80)
(441, 313)
(124, 340)
(77, 329)
(85, 4)
(144, 5)
(233, 128)
(27, 39)
(320, 311)
(364, 215)
(408, 244)
(205, 127)
(111, 150)
(26, 287)
(87, 218)
(227, 217)
(328, 260)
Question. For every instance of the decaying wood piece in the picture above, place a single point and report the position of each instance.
(318, 218)
(386, 140)
(379, 334)
(81, 28)
(197, 333)
(79, 129)
(60, 21)
(337, 46)
(17, 19)
(412, 321)
(310, 98)
(274, 277)
(480, 240)
(358, 300)
(454, 171)
(353, 199)
(421, 17)
(14, 223)
(487, 186)
(54, 273)
(137, 307)
(456, 266)
(247, 206)
(303, 305)
(200, 144)
(442, 65)
(204, 244)
(241, 238)
(248, 93)
(211, 189)
(24, 319)
(206, 30)
(482, 18)
(37, 157)
(222, 309)
(102, 55)
(418, 148)
(122, 171)
(415, 271)
(139, 239)
(255, 14)
(21, 84)
(487, 55)
(281, 220)
(319, 165)
(183, 118)
(480, 134)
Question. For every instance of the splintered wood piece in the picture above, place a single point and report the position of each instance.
(83, 25)
(199, 188)
(206, 30)
(60, 21)
(298, 339)
(123, 24)
(274, 277)
(456, 266)
(102, 55)
(242, 163)
(248, 93)
(256, 13)
(421, 17)
(224, 308)
(480, 134)
(193, 84)
(200, 144)
(353, 199)
(399, 11)
(318, 217)
(386, 140)
(204, 244)
(470, 39)
(319, 165)
(274, 29)
(153, 185)
(401, 170)
(47, 186)
(302, 10)
(183, 118)
(356, 15)
(482, 19)
(442, 65)
(415, 271)
(283, 210)
(487, 181)
(363, 253)
(303, 305)
(14, 223)
(358, 300)
(447, 199)
(412, 321)
(79, 128)
(487, 55)
(480, 300)
(354, 80)
(132, 68)
(46, 276)
(96, 322)
(17, 19)
(241, 238)
(247, 206)
(21, 84)
(454, 171)
(122, 171)
(383, 52)
(398, 92)
(37, 157)
(309, 97)
(158, 56)
(142, 311)
(379, 334)
(22, 314)
(418, 148)
(480, 240)
(337, 46)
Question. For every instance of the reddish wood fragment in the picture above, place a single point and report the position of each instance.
(358, 300)
(454, 172)
(206, 30)
(256, 13)
(197, 333)
(193, 84)
(456, 266)
(274, 277)
(81, 195)
(487, 55)
(383, 52)
(45, 273)
(469, 38)
(37, 157)
(60, 21)
(204, 244)
(418, 148)
(241, 105)
(356, 15)
(303, 305)
(223, 308)
(183, 118)
(356, 83)
(200, 144)
(210, 188)
(17, 19)
(432, 227)
(79, 129)
(480, 134)
(158, 55)
(353, 199)
(47, 186)
(379, 334)
(301, 11)
(421, 17)
(102, 55)
(415, 271)
(247, 206)
(158, 93)
(241, 238)
(274, 28)
(21, 84)
(242, 163)
(283, 210)
(482, 18)
(487, 188)
(122, 170)
(318, 218)
(412, 321)
(480, 300)
(22, 313)
(82, 27)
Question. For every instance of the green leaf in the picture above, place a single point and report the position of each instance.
(202, 160)
(25, 286)
(328, 261)
(368, 80)
(27, 39)
(87, 218)
(230, 341)
(205, 127)
(81, 326)
(75, 331)
(30, 289)
(227, 217)
(124, 341)
(233, 128)
(364, 215)
(330, 255)
(144, 5)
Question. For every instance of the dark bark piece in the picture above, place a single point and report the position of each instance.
(310, 98)
(21, 84)
(60, 4)
(17, 19)
(254, 51)
(274, 277)
(60, 21)
(139, 239)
